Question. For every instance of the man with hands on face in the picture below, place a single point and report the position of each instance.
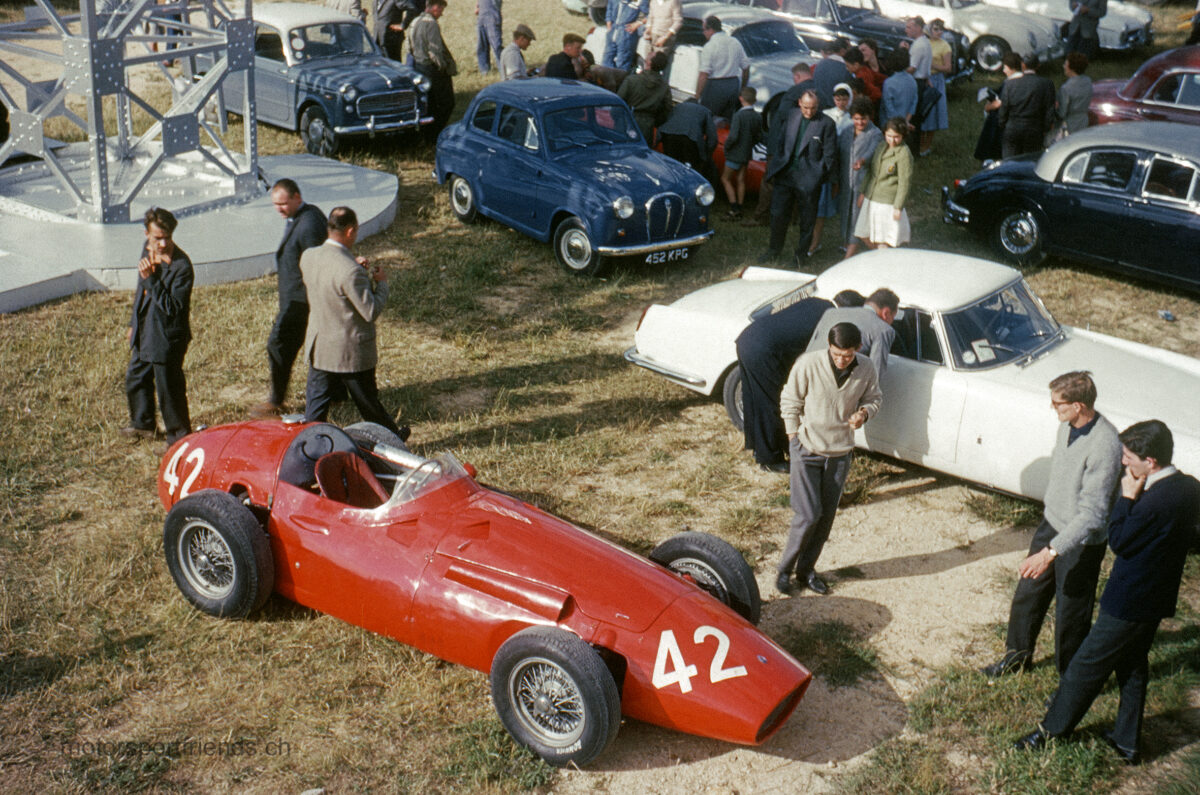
(159, 332)
(1149, 531)
(1068, 546)
(345, 297)
(829, 394)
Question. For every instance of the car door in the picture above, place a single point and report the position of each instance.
(814, 21)
(514, 170)
(1166, 212)
(684, 71)
(1175, 97)
(1088, 205)
(922, 397)
(273, 92)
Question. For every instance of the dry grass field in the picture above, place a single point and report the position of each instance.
(110, 681)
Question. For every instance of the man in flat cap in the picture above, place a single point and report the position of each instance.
(512, 59)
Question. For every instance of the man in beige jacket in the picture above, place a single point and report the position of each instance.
(344, 299)
(829, 394)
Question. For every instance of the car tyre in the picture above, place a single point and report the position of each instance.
(462, 199)
(369, 434)
(218, 554)
(988, 52)
(574, 250)
(1019, 237)
(596, 14)
(555, 695)
(731, 394)
(716, 567)
(316, 132)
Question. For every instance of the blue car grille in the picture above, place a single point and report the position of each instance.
(664, 214)
(392, 103)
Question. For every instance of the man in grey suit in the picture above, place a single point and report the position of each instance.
(805, 157)
(352, 7)
(1081, 31)
(344, 301)
(392, 18)
(874, 320)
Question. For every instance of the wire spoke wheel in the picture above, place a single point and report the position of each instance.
(548, 701)
(703, 575)
(206, 560)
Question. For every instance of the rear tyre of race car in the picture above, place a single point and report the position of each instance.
(716, 567)
(218, 554)
(369, 434)
(555, 696)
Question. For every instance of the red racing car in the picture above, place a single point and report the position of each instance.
(573, 630)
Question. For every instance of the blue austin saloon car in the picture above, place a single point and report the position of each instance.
(318, 71)
(564, 161)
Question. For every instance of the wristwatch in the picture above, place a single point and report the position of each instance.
(1053, 552)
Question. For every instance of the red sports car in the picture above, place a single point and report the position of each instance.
(573, 630)
(1164, 88)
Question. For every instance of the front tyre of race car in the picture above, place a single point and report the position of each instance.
(716, 567)
(218, 554)
(555, 696)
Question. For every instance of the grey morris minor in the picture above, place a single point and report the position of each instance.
(319, 71)
(564, 161)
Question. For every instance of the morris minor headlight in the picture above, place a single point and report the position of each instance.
(623, 207)
(349, 93)
(422, 82)
(705, 194)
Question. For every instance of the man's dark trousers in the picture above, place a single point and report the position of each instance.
(817, 482)
(787, 197)
(323, 386)
(283, 344)
(144, 379)
(1071, 582)
(1113, 645)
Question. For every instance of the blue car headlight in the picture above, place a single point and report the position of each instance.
(705, 194)
(623, 207)
(422, 82)
(349, 93)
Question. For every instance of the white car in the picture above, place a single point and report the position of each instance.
(990, 31)
(771, 44)
(966, 387)
(1123, 27)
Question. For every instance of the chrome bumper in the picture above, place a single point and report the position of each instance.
(633, 357)
(649, 248)
(370, 128)
(953, 213)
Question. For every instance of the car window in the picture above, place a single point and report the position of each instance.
(1189, 92)
(808, 8)
(518, 127)
(1169, 179)
(915, 337)
(590, 125)
(1004, 326)
(267, 43)
(765, 38)
(692, 32)
(868, 6)
(485, 114)
(330, 40)
(1166, 89)
(1101, 169)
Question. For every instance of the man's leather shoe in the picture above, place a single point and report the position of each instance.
(1008, 664)
(816, 584)
(266, 410)
(783, 583)
(776, 466)
(1033, 741)
(1127, 756)
(137, 433)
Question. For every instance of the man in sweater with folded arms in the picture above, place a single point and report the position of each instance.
(1068, 546)
(829, 394)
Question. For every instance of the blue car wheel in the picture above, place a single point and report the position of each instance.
(462, 199)
(574, 250)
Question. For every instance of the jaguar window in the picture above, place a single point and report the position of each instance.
(1004, 326)
(590, 125)
(1101, 169)
(1169, 179)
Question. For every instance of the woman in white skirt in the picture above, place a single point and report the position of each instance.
(883, 221)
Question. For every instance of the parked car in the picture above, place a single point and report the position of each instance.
(320, 72)
(564, 160)
(771, 44)
(1123, 26)
(573, 630)
(965, 390)
(990, 31)
(592, 9)
(1123, 196)
(1164, 88)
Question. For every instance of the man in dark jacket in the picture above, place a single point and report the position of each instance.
(392, 18)
(1026, 108)
(159, 332)
(689, 135)
(1149, 531)
(649, 96)
(803, 159)
(304, 228)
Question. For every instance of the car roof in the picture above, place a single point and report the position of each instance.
(732, 16)
(286, 16)
(1180, 58)
(547, 90)
(1169, 138)
(935, 280)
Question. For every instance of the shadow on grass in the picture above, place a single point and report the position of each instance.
(21, 672)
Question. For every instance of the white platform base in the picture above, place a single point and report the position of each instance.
(44, 255)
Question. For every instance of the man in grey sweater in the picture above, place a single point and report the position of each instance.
(828, 395)
(1068, 546)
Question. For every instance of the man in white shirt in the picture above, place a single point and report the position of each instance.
(724, 69)
(512, 59)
